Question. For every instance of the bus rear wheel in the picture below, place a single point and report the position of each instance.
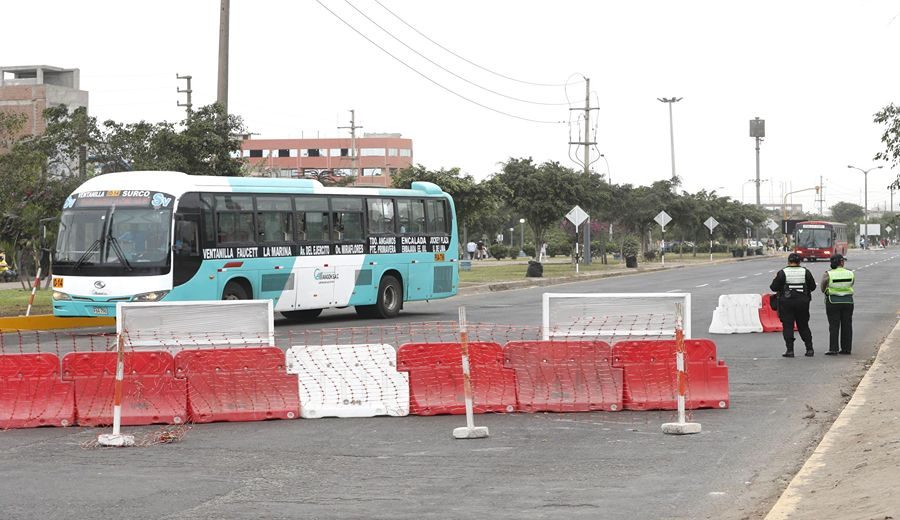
(390, 299)
(304, 315)
(235, 291)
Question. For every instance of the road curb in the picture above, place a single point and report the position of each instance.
(50, 322)
(541, 282)
(797, 499)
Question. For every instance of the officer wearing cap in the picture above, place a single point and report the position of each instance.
(794, 285)
(837, 284)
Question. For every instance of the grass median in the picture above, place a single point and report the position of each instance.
(489, 271)
(14, 302)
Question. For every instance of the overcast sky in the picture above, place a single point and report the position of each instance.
(816, 71)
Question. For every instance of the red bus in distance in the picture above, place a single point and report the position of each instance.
(817, 239)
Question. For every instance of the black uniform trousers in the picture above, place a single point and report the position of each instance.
(840, 325)
(795, 310)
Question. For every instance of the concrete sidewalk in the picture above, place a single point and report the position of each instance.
(855, 470)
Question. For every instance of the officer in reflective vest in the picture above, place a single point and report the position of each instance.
(837, 284)
(794, 285)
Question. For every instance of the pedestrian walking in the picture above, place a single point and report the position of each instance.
(480, 251)
(794, 285)
(470, 249)
(837, 284)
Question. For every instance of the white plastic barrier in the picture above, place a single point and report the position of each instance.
(737, 314)
(349, 380)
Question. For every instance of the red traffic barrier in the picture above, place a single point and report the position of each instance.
(650, 381)
(238, 384)
(436, 378)
(150, 392)
(32, 394)
(769, 316)
(564, 376)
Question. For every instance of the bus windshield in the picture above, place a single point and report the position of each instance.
(814, 238)
(114, 236)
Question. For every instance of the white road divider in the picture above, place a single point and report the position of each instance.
(349, 380)
(737, 314)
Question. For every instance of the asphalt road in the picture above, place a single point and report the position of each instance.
(586, 465)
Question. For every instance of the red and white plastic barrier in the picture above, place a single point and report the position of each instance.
(737, 314)
(32, 394)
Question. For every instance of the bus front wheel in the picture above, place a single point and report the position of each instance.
(235, 291)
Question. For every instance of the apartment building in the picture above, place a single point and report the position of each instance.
(31, 89)
(376, 157)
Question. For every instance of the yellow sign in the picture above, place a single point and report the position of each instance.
(57, 283)
(439, 257)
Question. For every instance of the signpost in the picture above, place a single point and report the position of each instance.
(711, 223)
(663, 218)
(576, 216)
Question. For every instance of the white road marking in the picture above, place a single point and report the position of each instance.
(757, 274)
(772, 271)
(725, 280)
(675, 290)
(703, 285)
(741, 277)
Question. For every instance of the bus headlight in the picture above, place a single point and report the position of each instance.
(827, 252)
(149, 296)
(59, 296)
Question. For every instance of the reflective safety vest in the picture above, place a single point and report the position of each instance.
(840, 285)
(795, 279)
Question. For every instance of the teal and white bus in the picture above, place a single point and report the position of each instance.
(151, 236)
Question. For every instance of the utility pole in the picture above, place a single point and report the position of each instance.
(821, 200)
(757, 131)
(352, 129)
(222, 90)
(587, 162)
(187, 91)
(671, 101)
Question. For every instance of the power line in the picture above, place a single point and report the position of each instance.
(466, 60)
(448, 71)
(410, 67)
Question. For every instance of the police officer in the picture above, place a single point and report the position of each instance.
(837, 284)
(794, 285)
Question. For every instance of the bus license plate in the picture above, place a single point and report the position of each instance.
(439, 257)
(100, 311)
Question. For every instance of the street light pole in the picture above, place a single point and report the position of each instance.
(608, 172)
(865, 199)
(511, 234)
(670, 101)
(522, 244)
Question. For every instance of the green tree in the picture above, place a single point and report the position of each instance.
(847, 212)
(542, 194)
(207, 144)
(889, 116)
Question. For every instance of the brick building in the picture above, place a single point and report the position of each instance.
(31, 89)
(377, 157)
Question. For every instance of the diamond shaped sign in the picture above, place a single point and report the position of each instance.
(888, 229)
(662, 218)
(577, 216)
(711, 223)
(771, 225)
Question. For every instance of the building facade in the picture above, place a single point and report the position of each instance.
(31, 89)
(376, 157)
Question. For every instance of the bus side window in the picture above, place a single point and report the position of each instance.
(411, 216)
(312, 219)
(234, 219)
(208, 214)
(187, 238)
(274, 220)
(347, 216)
(381, 216)
(436, 217)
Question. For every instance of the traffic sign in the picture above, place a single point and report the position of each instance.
(662, 218)
(576, 216)
(888, 228)
(711, 223)
(771, 225)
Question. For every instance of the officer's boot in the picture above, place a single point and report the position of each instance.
(790, 350)
(809, 350)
